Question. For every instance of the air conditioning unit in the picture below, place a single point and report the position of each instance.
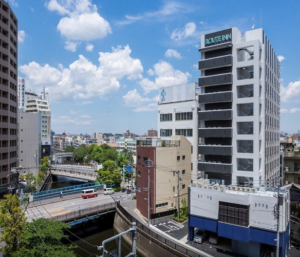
(216, 187)
(239, 188)
(243, 189)
(229, 187)
(210, 187)
(253, 190)
(205, 186)
(248, 189)
(233, 188)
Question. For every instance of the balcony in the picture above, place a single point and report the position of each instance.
(215, 150)
(215, 115)
(223, 61)
(245, 146)
(215, 80)
(215, 98)
(215, 167)
(245, 164)
(215, 132)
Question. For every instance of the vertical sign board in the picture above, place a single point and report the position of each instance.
(178, 93)
(219, 37)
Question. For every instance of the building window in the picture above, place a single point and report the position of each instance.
(183, 172)
(161, 205)
(236, 214)
(245, 164)
(184, 116)
(245, 54)
(139, 189)
(166, 132)
(173, 188)
(183, 186)
(245, 128)
(245, 73)
(245, 146)
(183, 157)
(166, 117)
(139, 173)
(139, 158)
(245, 91)
(145, 161)
(178, 158)
(184, 132)
(245, 109)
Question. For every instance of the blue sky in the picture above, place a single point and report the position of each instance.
(102, 62)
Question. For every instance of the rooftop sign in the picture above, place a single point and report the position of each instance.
(219, 37)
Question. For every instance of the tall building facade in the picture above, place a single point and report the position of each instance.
(8, 90)
(41, 105)
(21, 94)
(178, 115)
(239, 108)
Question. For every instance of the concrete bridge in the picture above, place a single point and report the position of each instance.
(71, 208)
(75, 171)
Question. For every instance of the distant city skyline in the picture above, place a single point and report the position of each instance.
(104, 73)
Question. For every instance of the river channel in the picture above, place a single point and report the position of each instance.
(91, 233)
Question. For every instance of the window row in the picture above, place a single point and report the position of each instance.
(178, 116)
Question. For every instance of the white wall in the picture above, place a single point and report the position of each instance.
(177, 107)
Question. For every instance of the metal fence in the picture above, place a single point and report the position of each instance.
(66, 190)
(79, 214)
(162, 241)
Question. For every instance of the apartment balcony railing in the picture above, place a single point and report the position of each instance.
(215, 150)
(215, 80)
(215, 115)
(215, 62)
(215, 132)
(248, 131)
(245, 149)
(215, 167)
(215, 97)
(245, 167)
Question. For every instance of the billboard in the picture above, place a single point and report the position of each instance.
(177, 93)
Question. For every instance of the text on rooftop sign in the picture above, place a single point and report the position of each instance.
(218, 37)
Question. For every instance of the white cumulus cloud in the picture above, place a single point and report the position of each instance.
(284, 110)
(71, 46)
(172, 53)
(166, 75)
(21, 36)
(81, 21)
(89, 47)
(188, 30)
(280, 58)
(294, 110)
(291, 93)
(83, 79)
(134, 99)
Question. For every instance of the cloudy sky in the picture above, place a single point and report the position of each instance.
(102, 62)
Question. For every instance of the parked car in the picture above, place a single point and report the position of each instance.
(213, 239)
(108, 191)
(88, 193)
(200, 236)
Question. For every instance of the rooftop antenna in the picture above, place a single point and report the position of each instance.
(253, 26)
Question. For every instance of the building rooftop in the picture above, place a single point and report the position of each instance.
(157, 142)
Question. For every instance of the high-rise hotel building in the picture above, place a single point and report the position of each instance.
(8, 93)
(239, 108)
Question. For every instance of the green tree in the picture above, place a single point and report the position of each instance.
(42, 238)
(69, 149)
(41, 176)
(80, 153)
(105, 176)
(12, 220)
(122, 160)
(116, 177)
(109, 165)
(31, 182)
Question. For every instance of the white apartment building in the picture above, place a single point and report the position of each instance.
(21, 94)
(239, 108)
(41, 105)
(127, 143)
(178, 116)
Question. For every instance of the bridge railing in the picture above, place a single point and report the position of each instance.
(84, 212)
(66, 190)
(86, 173)
(148, 233)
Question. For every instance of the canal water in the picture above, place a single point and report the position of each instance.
(91, 233)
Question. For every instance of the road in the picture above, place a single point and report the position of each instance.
(53, 207)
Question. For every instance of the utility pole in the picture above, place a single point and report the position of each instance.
(277, 216)
(149, 164)
(178, 193)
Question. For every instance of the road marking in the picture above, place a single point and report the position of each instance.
(61, 213)
(54, 210)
